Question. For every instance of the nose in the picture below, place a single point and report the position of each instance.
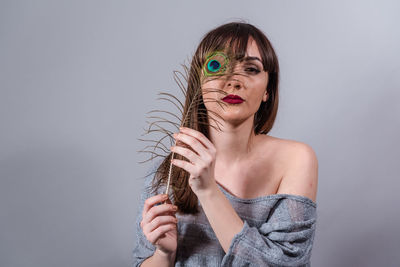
(236, 84)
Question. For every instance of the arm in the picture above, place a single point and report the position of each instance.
(285, 239)
(222, 217)
(159, 259)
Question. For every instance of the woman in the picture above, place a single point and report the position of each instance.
(250, 197)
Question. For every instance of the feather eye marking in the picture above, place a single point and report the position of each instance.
(216, 64)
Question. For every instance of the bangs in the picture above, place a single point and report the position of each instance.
(233, 38)
(235, 42)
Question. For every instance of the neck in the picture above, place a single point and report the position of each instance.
(233, 143)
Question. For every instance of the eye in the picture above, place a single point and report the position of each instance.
(252, 70)
(216, 64)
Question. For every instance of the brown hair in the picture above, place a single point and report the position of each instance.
(234, 34)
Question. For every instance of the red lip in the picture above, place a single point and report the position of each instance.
(233, 99)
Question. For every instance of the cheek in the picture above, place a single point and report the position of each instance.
(215, 83)
(209, 89)
(260, 87)
(257, 94)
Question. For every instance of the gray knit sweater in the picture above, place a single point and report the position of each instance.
(278, 231)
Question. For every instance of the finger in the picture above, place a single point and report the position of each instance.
(167, 201)
(187, 166)
(198, 135)
(156, 211)
(195, 144)
(151, 201)
(160, 231)
(170, 213)
(187, 153)
(144, 221)
(158, 221)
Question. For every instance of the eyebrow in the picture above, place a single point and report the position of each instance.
(252, 58)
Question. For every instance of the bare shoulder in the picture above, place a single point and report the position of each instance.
(300, 174)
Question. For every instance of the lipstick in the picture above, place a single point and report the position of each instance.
(233, 99)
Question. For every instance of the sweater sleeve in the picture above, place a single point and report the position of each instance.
(285, 239)
(143, 248)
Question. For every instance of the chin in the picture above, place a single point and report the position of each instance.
(233, 119)
(234, 115)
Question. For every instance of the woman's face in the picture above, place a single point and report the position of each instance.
(249, 81)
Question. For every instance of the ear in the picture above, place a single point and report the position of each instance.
(265, 96)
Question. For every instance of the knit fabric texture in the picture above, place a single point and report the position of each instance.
(278, 230)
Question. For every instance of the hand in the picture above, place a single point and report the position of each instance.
(159, 224)
(201, 159)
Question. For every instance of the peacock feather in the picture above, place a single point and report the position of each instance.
(163, 123)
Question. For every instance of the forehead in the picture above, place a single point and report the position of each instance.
(236, 50)
(252, 48)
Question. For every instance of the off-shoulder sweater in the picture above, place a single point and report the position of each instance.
(278, 230)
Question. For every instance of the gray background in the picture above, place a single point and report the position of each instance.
(76, 78)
